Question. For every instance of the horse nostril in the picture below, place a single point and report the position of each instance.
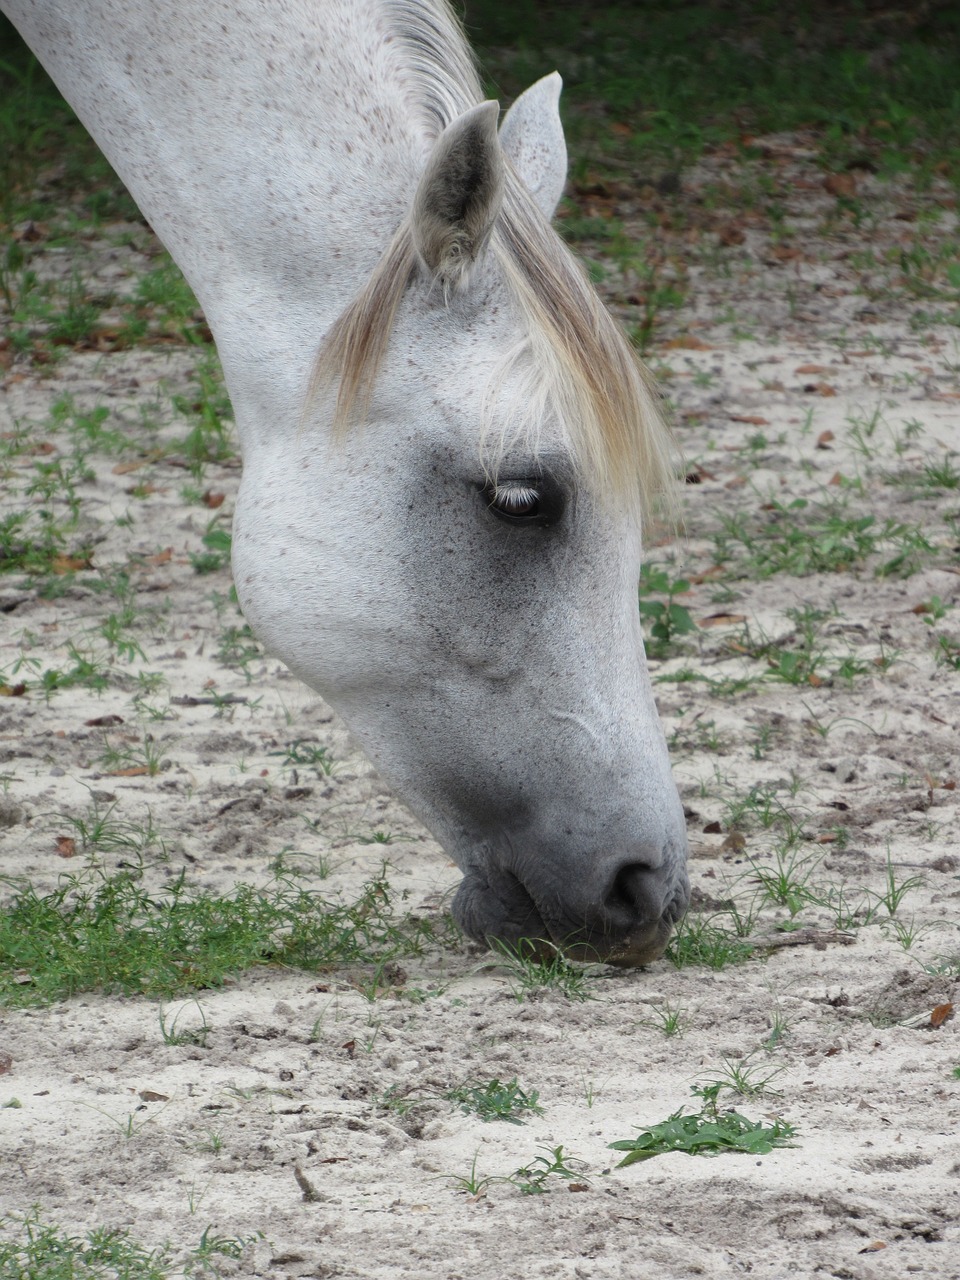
(634, 891)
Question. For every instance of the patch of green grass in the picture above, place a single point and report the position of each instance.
(109, 932)
(801, 538)
(532, 1179)
(699, 941)
(311, 754)
(666, 618)
(496, 1100)
(40, 1251)
(534, 966)
(36, 1250)
(209, 414)
(705, 1133)
(677, 79)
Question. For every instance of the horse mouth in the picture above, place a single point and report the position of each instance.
(508, 919)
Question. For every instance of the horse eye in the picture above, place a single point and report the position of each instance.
(514, 499)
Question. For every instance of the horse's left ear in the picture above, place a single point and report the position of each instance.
(459, 196)
(532, 137)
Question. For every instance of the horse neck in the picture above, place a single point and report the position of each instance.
(272, 147)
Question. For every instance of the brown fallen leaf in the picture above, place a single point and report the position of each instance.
(715, 571)
(66, 846)
(213, 500)
(812, 368)
(578, 1186)
(124, 468)
(819, 389)
(731, 234)
(824, 439)
(735, 841)
(841, 185)
(161, 557)
(69, 564)
(712, 829)
(6, 1062)
(688, 342)
(873, 1248)
(12, 690)
(103, 722)
(722, 619)
(148, 1095)
(137, 771)
(826, 837)
(752, 419)
(941, 1014)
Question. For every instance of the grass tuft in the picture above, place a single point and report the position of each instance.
(100, 932)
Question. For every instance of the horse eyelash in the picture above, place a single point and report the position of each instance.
(512, 498)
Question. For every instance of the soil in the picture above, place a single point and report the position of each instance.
(275, 1130)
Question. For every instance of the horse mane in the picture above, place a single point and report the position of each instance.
(575, 358)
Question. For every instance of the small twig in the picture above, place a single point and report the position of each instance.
(310, 1193)
(818, 938)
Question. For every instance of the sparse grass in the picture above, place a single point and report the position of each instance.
(535, 966)
(745, 1078)
(665, 618)
(801, 537)
(704, 941)
(31, 1249)
(668, 1018)
(100, 931)
(497, 1100)
(303, 753)
(706, 1133)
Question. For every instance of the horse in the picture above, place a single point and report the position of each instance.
(450, 452)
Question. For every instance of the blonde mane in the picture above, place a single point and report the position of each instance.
(576, 358)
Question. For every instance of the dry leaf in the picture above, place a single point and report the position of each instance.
(162, 557)
(812, 368)
(722, 619)
(752, 419)
(137, 771)
(148, 1095)
(124, 468)
(735, 841)
(6, 1062)
(873, 1248)
(68, 564)
(103, 722)
(213, 500)
(827, 837)
(66, 846)
(819, 389)
(712, 829)
(731, 234)
(941, 1014)
(715, 571)
(12, 690)
(840, 185)
(688, 342)
(824, 439)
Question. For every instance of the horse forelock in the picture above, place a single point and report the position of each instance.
(573, 359)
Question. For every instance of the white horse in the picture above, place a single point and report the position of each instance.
(447, 443)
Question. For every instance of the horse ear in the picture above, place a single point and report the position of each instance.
(532, 138)
(459, 196)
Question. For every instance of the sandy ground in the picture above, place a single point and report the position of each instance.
(274, 1131)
